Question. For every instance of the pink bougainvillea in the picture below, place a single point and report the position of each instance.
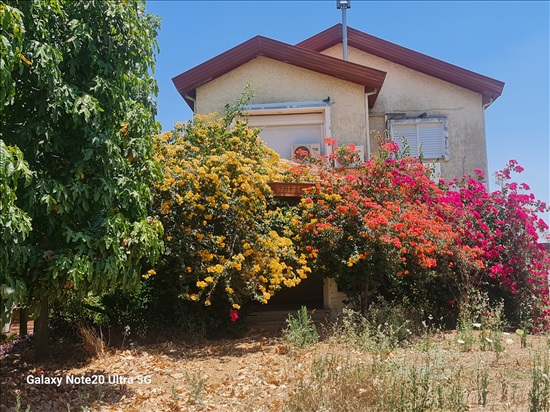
(504, 224)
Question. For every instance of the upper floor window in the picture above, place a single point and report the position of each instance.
(287, 126)
(424, 136)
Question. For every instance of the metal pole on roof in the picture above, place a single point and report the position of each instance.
(344, 5)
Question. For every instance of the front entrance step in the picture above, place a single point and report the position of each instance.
(276, 319)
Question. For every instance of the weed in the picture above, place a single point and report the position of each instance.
(477, 313)
(175, 395)
(467, 321)
(18, 404)
(196, 384)
(376, 332)
(504, 384)
(93, 341)
(482, 384)
(522, 337)
(300, 330)
(539, 395)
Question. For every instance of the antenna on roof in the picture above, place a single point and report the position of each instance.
(344, 5)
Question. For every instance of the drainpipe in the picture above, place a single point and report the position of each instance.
(485, 106)
(367, 122)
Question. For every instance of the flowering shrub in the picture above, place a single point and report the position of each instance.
(376, 224)
(386, 227)
(222, 238)
(346, 154)
(505, 226)
(382, 228)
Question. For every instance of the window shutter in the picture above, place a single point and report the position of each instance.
(408, 132)
(430, 138)
(428, 135)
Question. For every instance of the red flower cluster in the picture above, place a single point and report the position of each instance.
(388, 218)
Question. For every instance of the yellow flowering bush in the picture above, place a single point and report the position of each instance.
(222, 237)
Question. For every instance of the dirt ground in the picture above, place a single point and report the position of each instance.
(222, 375)
(254, 373)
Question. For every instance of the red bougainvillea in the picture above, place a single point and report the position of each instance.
(387, 221)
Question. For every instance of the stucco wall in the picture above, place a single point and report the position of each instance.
(274, 82)
(411, 92)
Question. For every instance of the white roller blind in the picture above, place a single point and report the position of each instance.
(407, 132)
(282, 131)
(430, 139)
(426, 137)
(282, 138)
(255, 120)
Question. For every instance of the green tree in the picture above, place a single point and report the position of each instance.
(80, 106)
(15, 225)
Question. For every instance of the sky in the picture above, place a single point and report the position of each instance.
(505, 40)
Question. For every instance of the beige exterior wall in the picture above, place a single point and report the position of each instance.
(333, 299)
(404, 91)
(411, 92)
(274, 82)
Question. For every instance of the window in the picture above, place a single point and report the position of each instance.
(428, 136)
(286, 125)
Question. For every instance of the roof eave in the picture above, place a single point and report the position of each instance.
(489, 88)
(186, 83)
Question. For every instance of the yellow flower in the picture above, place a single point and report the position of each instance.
(229, 290)
(165, 207)
(235, 306)
(28, 62)
(207, 303)
(225, 206)
(209, 279)
(149, 273)
(201, 284)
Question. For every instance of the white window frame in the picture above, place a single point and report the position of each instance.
(445, 154)
(290, 108)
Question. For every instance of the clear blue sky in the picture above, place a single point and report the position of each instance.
(505, 40)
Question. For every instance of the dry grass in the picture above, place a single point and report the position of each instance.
(92, 341)
(434, 375)
(260, 373)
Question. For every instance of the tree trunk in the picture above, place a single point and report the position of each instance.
(41, 331)
(23, 319)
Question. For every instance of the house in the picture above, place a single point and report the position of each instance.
(306, 92)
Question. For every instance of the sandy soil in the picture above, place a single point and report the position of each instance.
(255, 373)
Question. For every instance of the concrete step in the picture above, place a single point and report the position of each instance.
(280, 316)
